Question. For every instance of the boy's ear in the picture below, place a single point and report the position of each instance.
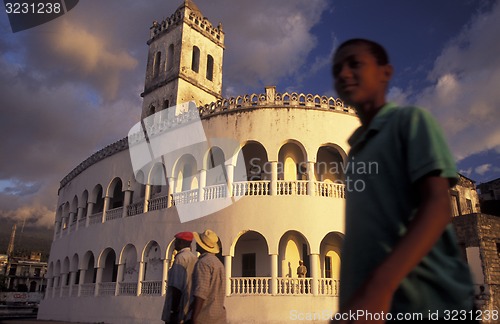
(387, 72)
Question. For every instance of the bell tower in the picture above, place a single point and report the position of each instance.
(184, 61)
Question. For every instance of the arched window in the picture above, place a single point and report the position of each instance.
(210, 67)
(156, 64)
(195, 63)
(170, 57)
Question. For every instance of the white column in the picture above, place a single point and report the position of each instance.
(98, 281)
(90, 207)
(274, 178)
(119, 278)
(63, 221)
(56, 284)
(274, 274)
(147, 194)
(57, 225)
(49, 284)
(310, 179)
(72, 277)
(202, 184)
(314, 258)
(79, 215)
(107, 202)
(170, 191)
(126, 202)
(140, 277)
(230, 179)
(71, 217)
(228, 265)
(80, 281)
(164, 276)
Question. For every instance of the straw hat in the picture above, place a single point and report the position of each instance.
(207, 240)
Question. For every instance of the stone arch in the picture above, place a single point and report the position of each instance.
(292, 159)
(130, 262)
(254, 159)
(293, 246)
(250, 252)
(65, 215)
(170, 57)
(97, 199)
(153, 263)
(330, 163)
(139, 186)
(74, 263)
(215, 166)
(185, 173)
(157, 64)
(83, 203)
(88, 265)
(107, 261)
(115, 193)
(330, 255)
(157, 179)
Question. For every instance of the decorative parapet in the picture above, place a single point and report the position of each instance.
(109, 150)
(271, 99)
(275, 100)
(192, 18)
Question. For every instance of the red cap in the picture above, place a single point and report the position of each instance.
(186, 236)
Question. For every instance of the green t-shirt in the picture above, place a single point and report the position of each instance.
(399, 147)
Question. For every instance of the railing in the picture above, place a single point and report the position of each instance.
(251, 286)
(95, 218)
(215, 192)
(81, 222)
(151, 288)
(158, 203)
(295, 187)
(135, 208)
(107, 288)
(127, 288)
(56, 291)
(65, 291)
(114, 213)
(294, 286)
(251, 188)
(329, 287)
(329, 189)
(87, 289)
(185, 197)
(74, 290)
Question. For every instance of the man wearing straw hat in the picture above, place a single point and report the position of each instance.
(179, 287)
(208, 281)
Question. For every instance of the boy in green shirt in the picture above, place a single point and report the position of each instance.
(400, 254)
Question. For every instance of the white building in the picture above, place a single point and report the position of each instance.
(114, 226)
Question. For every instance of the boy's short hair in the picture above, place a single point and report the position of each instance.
(376, 49)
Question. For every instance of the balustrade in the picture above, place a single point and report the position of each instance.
(158, 203)
(185, 197)
(135, 208)
(151, 288)
(294, 187)
(95, 218)
(87, 289)
(74, 290)
(114, 213)
(250, 286)
(294, 286)
(127, 288)
(330, 189)
(251, 188)
(215, 192)
(65, 291)
(107, 288)
(328, 286)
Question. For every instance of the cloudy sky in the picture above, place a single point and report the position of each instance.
(72, 86)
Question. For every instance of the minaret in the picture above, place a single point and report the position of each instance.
(184, 61)
(10, 249)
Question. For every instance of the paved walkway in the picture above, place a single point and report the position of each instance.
(30, 321)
